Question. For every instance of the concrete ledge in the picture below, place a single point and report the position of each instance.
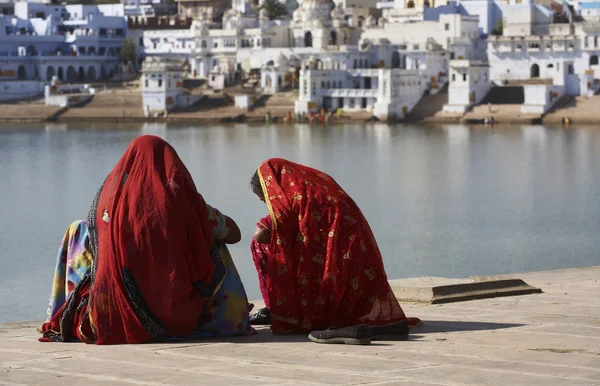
(434, 290)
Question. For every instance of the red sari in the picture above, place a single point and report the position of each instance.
(324, 267)
(154, 254)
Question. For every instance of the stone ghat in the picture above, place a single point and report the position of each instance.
(549, 338)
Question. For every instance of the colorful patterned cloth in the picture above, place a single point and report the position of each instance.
(73, 263)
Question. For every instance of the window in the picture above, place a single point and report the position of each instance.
(142, 42)
(216, 44)
(102, 32)
(454, 77)
(447, 26)
(120, 32)
(322, 84)
(160, 83)
(464, 77)
(117, 51)
(203, 44)
(102, 51)
(415, 46)
(40, 15)
(146, 82)
(82, 50)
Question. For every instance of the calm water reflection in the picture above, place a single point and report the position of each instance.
(449, 201)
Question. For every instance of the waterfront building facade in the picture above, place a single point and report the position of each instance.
(76, 43)
(534, 47)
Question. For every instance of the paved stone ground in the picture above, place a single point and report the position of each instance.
(543, 339)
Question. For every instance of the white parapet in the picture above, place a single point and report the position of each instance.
(540, 98)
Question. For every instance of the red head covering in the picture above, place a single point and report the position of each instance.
(151, 242)
(325, 268)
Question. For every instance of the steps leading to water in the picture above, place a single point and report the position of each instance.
(428, 106)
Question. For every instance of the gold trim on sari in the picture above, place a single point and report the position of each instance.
(267, 199)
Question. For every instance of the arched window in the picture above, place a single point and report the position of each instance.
(535, 71)
(308, 39)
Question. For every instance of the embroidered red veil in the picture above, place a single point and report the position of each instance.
(324, 268)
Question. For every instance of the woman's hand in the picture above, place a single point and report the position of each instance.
(262, 236)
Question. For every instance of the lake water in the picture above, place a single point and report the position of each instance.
(449, 201)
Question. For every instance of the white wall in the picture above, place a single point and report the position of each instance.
(21, 89)
(468, 86)
(540, 98)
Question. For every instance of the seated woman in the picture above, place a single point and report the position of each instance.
(318, 262)
(150, 264)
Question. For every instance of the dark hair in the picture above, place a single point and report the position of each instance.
(256, 186)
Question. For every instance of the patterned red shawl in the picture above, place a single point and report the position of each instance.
(325, 268)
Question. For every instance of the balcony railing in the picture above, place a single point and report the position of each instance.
(351, 92)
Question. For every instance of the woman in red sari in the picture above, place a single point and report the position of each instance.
(318, 262)
(157, 265)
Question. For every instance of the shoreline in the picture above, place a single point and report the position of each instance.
(252, 119)
(122, 105)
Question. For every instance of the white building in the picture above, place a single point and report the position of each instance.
(162, 86)
(387, 93)
(320, 24)
(208, 48)
(73, 42)
(469, 84)
(533, 47)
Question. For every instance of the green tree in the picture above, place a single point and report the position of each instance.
(499, 28)
(127, 53)
(275, 9)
